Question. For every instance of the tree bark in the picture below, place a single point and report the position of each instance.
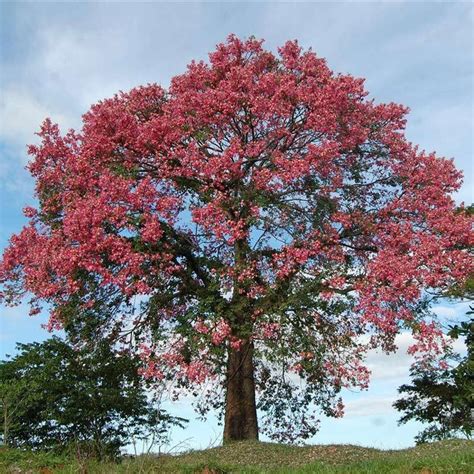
(240, 421)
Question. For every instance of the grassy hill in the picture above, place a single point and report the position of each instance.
(456, 456)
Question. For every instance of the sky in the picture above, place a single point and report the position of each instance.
(59, 58)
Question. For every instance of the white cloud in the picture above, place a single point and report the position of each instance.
(391, 366)
(396, 366)
(79, 66)
(451, 312)
(444, 311)
(369, 406)
(21, 114)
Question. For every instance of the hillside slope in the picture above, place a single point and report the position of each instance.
(456, 456)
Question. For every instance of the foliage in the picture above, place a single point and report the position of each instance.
(444, 399)
(437, 399)
(252, 221)
(55, 397)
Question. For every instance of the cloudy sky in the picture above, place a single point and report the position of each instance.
(59, 58)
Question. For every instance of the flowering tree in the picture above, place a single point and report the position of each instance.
(260, 218)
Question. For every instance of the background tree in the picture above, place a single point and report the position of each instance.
(54, 396)
(444, 399)
(242, 230)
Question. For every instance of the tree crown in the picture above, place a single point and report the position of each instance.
(261, 197)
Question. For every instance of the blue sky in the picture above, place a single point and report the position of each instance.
(57, 59)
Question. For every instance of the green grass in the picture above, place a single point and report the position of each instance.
(456, 456)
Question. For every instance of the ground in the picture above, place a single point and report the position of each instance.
(456, 456)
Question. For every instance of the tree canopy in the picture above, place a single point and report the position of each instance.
(443, 399)
(251, 222)
(56, 397)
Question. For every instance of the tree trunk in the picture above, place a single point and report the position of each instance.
(240, 411)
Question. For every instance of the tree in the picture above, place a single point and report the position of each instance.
(53, 395)
(242, 230)
(444, 398)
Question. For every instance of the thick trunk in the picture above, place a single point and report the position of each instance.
(240, 410)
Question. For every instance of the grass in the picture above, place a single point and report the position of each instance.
(456, 456)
